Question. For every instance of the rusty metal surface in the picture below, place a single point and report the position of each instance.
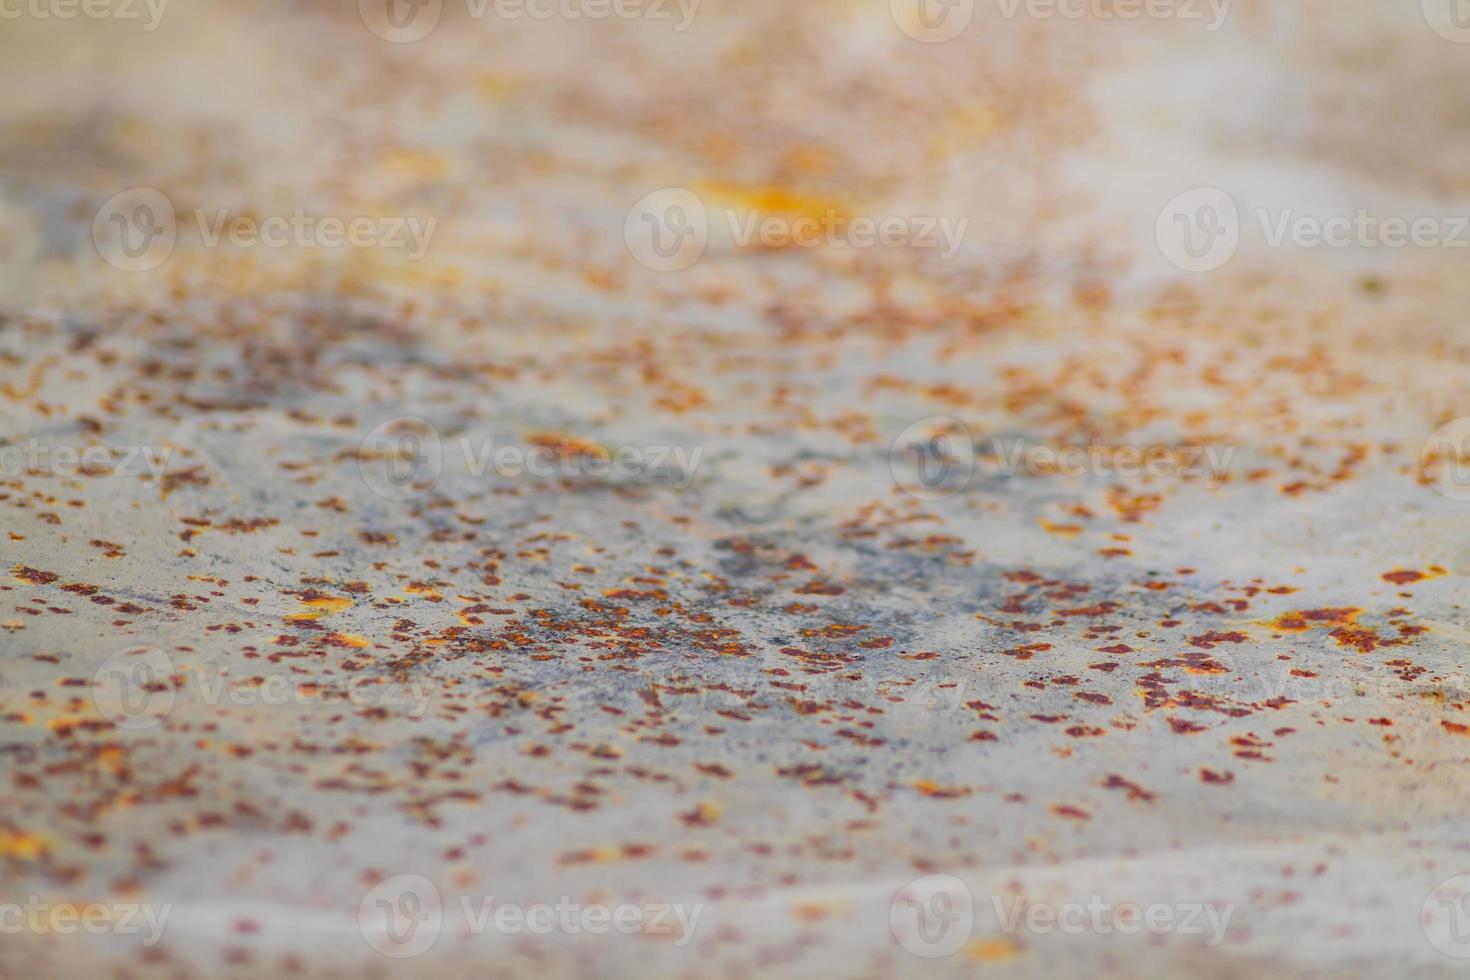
(807, 612)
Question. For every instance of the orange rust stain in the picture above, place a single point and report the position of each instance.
(1303, 620)
(816, 911)
(1062, 530)
(703, 815)
(932, 789)
(1408, 576)
(319, 605)
(1359, 638)
(1135, 792)
(568, 446)
(1070, 812)
(1208, 641)
(606, 854)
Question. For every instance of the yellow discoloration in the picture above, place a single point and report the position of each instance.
(1061, 530)
(996, 950)
(319, 607)
(23, 846)
(772, 200)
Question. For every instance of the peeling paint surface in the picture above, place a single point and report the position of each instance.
(519, 572)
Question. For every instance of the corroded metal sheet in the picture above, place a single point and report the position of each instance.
(839, 489)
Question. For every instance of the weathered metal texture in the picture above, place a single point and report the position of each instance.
(762, 678)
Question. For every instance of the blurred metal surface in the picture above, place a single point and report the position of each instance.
(849, 617)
